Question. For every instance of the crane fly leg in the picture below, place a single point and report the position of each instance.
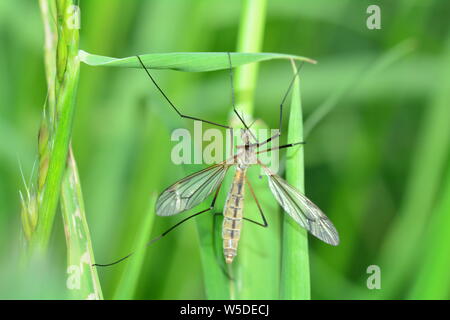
(264, 224)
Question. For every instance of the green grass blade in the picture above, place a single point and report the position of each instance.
(428, 165)
(250, 39)
(50, 196)
(295, 278)
(62, 66)
(186, 61)
(380, 64)
(436, 259)
(363, 158)
(136, 227)
(129, 280)
(217, 285)
(82, 281)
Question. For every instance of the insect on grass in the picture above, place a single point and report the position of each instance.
(192, 190)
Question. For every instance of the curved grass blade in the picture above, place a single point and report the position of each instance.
(399, 249)
(351, 184)
(185, 61)
(128, 282)
(436, 256)
(382, 63)
(215, 278)
(82, 280)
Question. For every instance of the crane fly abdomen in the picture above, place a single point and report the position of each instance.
(232, 212)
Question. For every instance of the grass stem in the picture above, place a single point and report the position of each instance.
(62, 65)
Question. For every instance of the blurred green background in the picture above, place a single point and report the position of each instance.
(377, 163)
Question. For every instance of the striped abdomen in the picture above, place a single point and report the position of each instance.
(232, 221)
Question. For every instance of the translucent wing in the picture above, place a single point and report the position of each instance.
(302, 210)
(190, 191)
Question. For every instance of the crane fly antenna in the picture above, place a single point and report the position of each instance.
(170, 102)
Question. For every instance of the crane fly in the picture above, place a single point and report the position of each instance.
(192, 190)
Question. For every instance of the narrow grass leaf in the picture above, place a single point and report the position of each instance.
(380, 64)
(82, 279)
(58, 156)
(436, 259)
(185, 61)
(295, 278)
(428, 165)
(217, 285)
(62, 67)
(129, 280)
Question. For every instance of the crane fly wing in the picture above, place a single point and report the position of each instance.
(302, 210)
(191, 190)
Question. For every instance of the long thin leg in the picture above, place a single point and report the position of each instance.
(233, 100)
(281, 147)
(173, 106)
(264, 224)
(211, 207)
(278, 134)
(215, 215)
(152, 241)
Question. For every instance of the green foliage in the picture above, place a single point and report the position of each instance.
(375, 110)
(62, 67)
(82, 281)
(186, 61)
(129, 280)
(429, 164)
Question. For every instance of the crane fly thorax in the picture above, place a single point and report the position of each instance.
(246, 155)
